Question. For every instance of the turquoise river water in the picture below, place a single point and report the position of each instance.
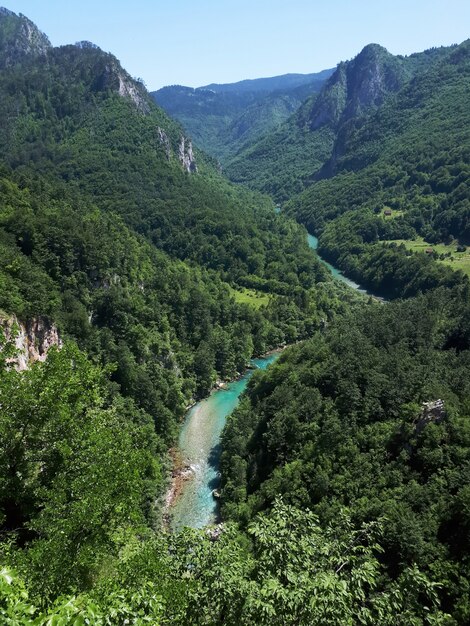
(199, 443)
(199, 439)
(313, 243)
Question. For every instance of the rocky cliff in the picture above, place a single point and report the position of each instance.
(19, 37)
(32, 340)
(358, 85)
(186, 155)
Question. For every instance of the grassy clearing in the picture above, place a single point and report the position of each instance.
(441, 252)
(251, 297)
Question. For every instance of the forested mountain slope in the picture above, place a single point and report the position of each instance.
(284, 162)
(371, 414)
(95, 177)
(115, 232)
(123, 238)
(223, 119)
(401, 175)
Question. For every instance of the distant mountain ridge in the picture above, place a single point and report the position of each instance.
(273, 83)
(283, 162)
(224, 118)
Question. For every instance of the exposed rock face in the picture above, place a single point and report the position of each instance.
(372, 75)
(356, 88)
(113, 76)
(358, 85)
(433, 411)
(32, 341)
(19, 37)
(164, 141)
(215, 532)
(128, 89)
(186, 155)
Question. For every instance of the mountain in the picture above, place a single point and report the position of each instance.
(275, 83)
(224, 118)
(371, 414)
(19, 38)
(285, 161)
(142, 275)
(80, 138)
(133, 276)
(117, 234)
(396, 188)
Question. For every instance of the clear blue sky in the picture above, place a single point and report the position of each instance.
(195, 42)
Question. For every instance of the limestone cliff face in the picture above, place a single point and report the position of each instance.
(186, 155)
(371, 76)
(19, 37)
(431, 412)
(114, 77)
(32, 340)
(131, 90)
(164, 141)
(184, 150)
(354, 91)
(358, 85)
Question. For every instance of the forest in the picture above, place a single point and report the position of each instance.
(345, 493)
(351, 420)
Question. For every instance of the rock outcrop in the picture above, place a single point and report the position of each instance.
(357, 86)
(164, 141)
(186, 155)
(128, 88)
(431, 412)
(19, 37)
(32, 340)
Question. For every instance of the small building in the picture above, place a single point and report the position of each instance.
(429, 251)
(388, 212)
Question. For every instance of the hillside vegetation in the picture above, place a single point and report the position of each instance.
(346, 467)
(224, 119)
(410, 156)
(115, 232)
(372, 414)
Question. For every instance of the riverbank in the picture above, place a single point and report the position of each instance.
(181, 471)
(180, 474)
(338, 274)
(189, 500)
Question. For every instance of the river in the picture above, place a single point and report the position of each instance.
(313, 243)
(199, 443)
(199, 440)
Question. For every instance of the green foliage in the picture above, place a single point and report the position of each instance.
(338, 422)
(410, 156)
(287, 160)
(355, 242)
(64, 485)
(295, 572)
(281, 162)
(104, 233)
(90, 190)
(223, 119)
(88, 195)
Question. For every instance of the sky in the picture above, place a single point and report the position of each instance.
(196, 42)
